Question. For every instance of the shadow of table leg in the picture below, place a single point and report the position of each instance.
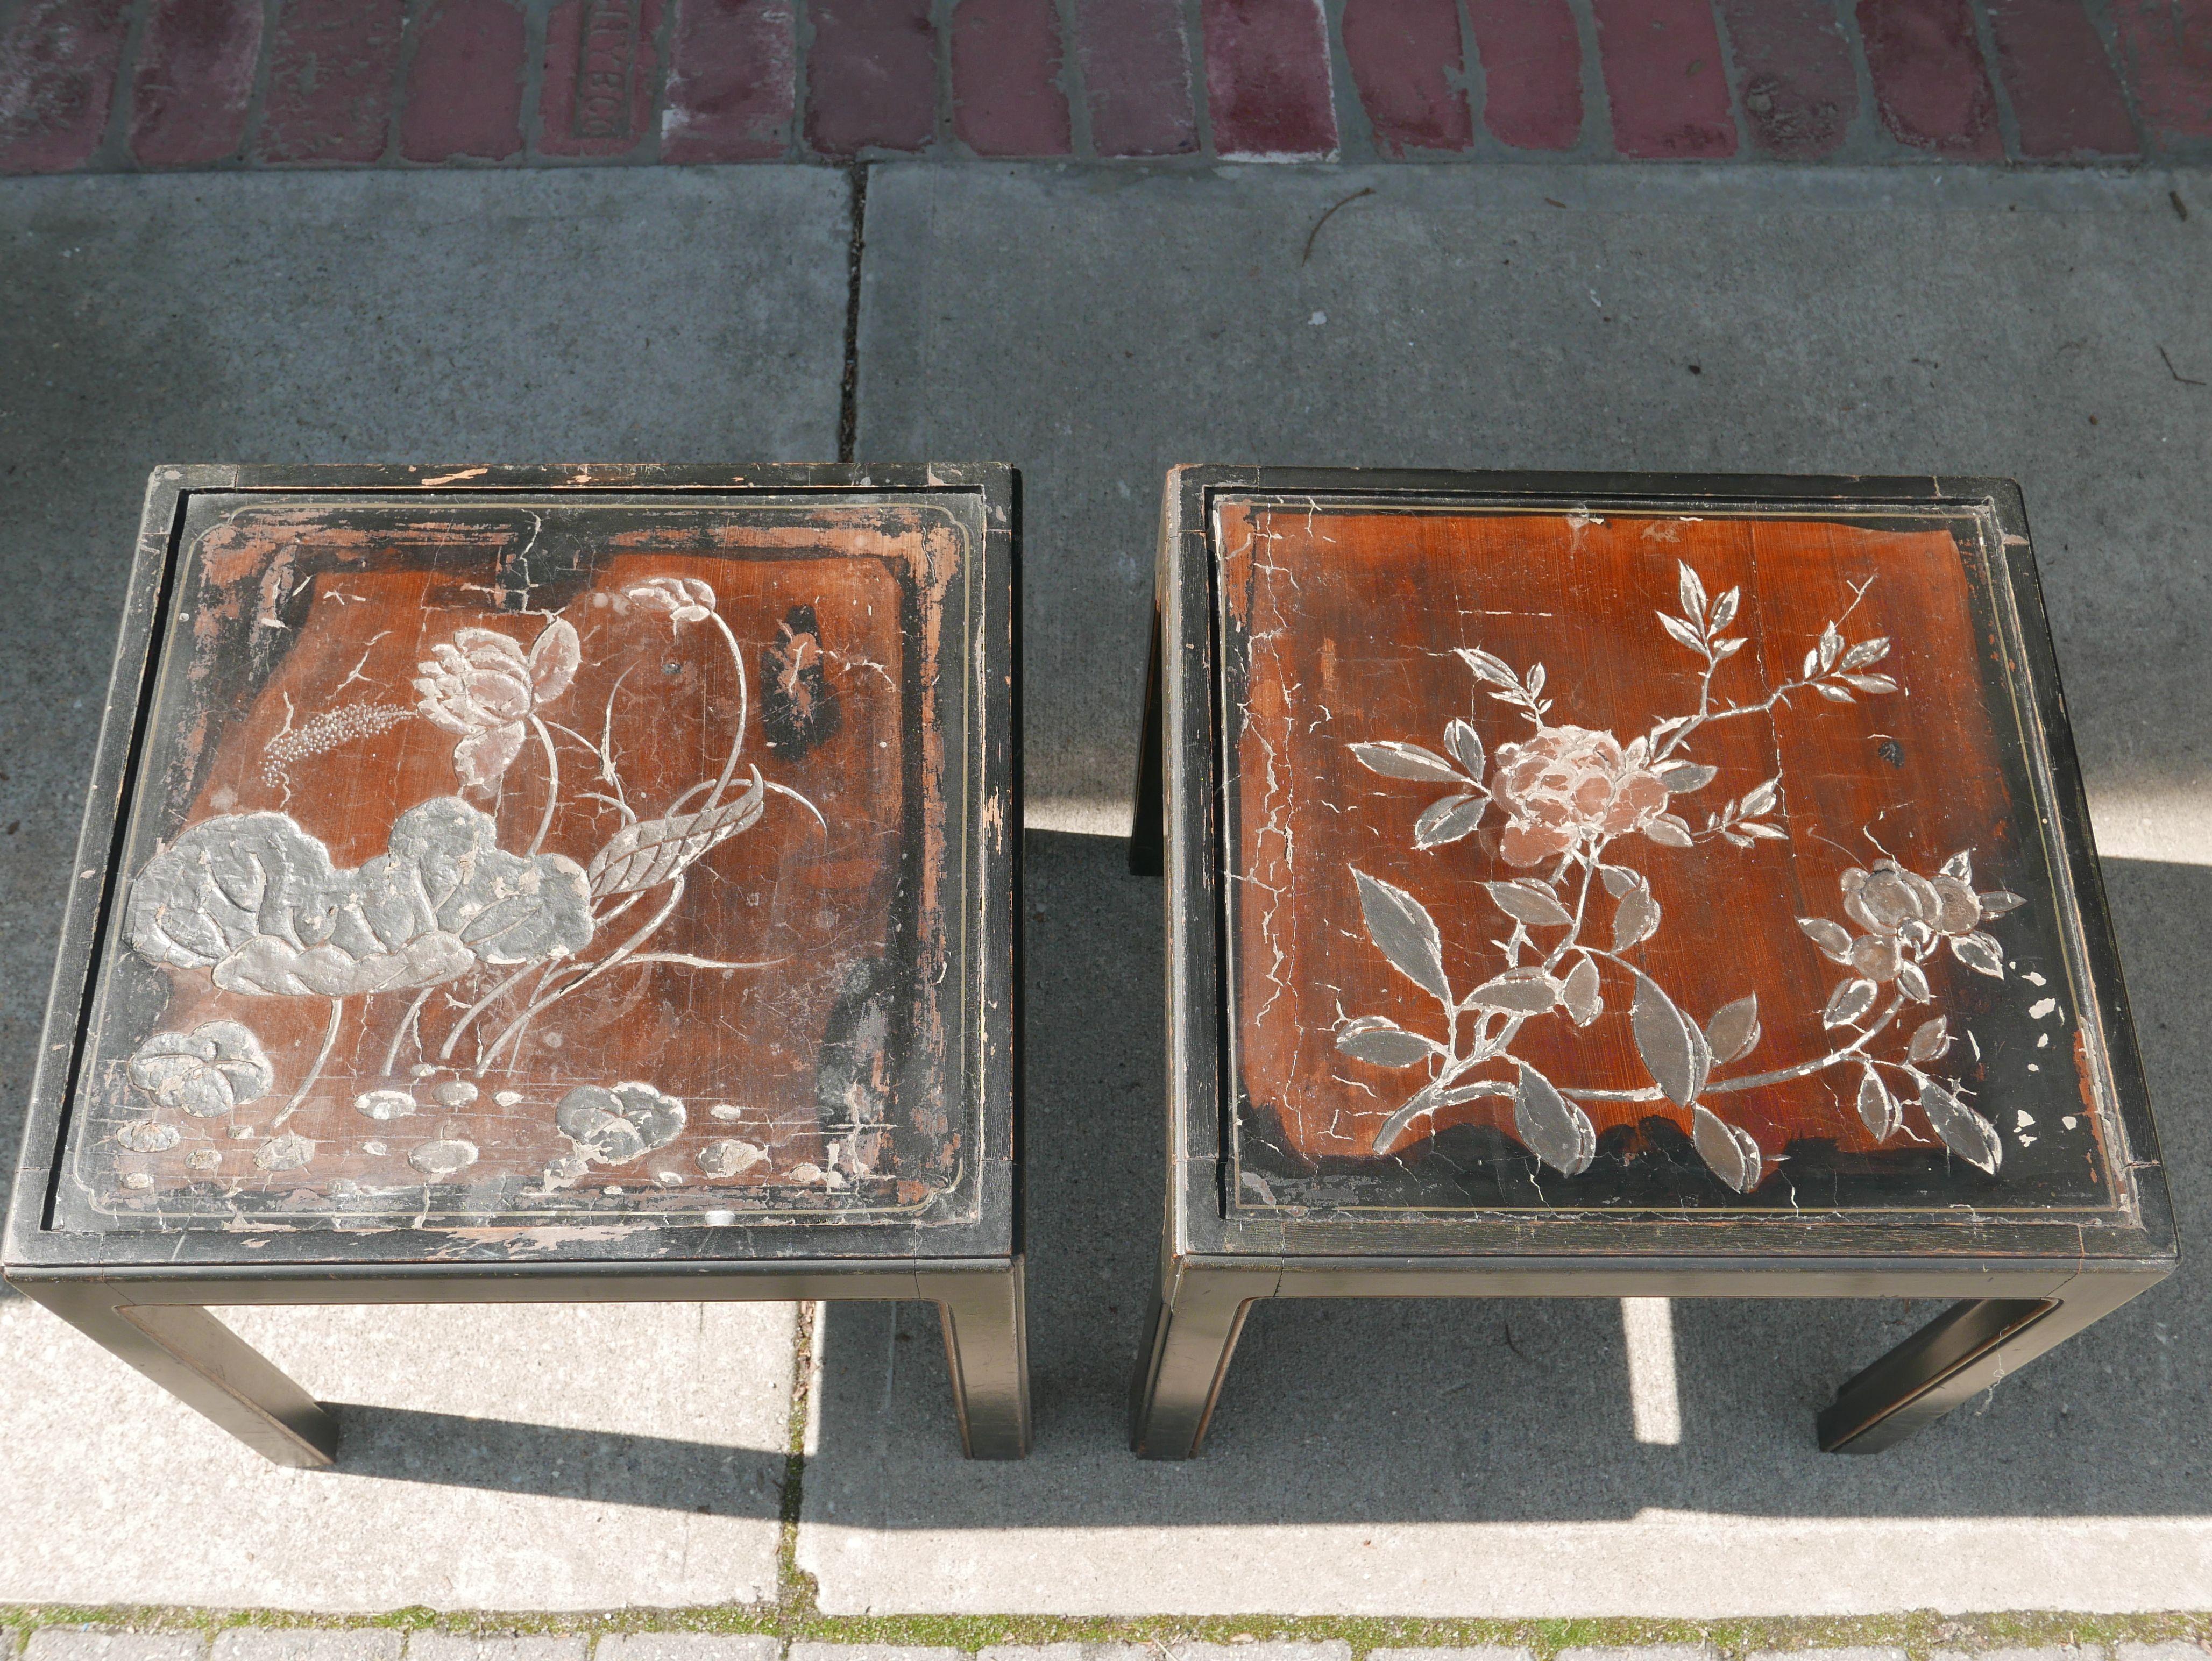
(204, 1364)
(986, 1351)
(1147, 829)
(1967, 1349)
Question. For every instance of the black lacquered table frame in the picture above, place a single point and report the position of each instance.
(2023, 1284)
(145, 1295)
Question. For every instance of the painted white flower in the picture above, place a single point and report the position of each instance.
(481, 686)
(209, 1070)
(685, 599)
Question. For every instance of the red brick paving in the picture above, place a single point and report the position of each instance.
(1532, 72)
(57, 67)
(870, 76)
(2168, 44)
(1665, 79)
(464, 86)
(1411, 73)
(333, 68)
(1266, 79)
(1135, 62)
(2064, 93)
(1930, 84)
(597, 95)
(194, 81)
(1798, 89)
(731, 92)
(1006, 99)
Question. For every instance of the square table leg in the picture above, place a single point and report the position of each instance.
(1967, 1349)
(1197, 1314)
(202, 1362)
(986, 1352)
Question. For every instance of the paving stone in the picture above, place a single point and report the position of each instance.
(686, 1647)
(57, 69)
(2041, 1653)
(1930, 85)
(1411, 73)
(1845, 1654)
(1267, 79)
(1135, 59)
(872, 1653)
(1479, 1652)
(333, 71)
(2168, 48)
(452, 1646)
(1532, 72)
(82, 1644)
(601, 72)
(1799, 89)
(731, 93)
(193, 81)
(307, 1644)
(465, 85)
(2066, 97)
(1665, 79)
(870, 76)
(1644, 1652)
(2175, 1650)
(1077, 1653)
(1006, 99)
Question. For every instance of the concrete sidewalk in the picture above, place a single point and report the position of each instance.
(1094, 328)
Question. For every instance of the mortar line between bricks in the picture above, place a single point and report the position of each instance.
(848, 391)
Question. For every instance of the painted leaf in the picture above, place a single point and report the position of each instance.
(1734, 1031)
(1379, 1039)
(1912, 981)
(1620, 879)
(1965, 1132)
(1833, 939)
(1724, 609)
(1580, 993)
(1680, 778)
(1998, 901)
(1675, 1052)
(1426, 1099)
(1727, 1149)
(1690, 591)
(1879, 1111)
(1668, 831)
(1682, 632)
(1528, 903)
(1726, 648)
(554, 658)
(1760, 801)
(1635, 919)
(1875, 683)
(1980, 953)
(1517, 991)
(1490, 666)
(1867, 652)
(1930, 1039)
(1402, 929)
(1851, 1000)
(1550, 1127)
(1448, 819)
(1395, 760)
(1465, 746)
(655, 851)
(1832, 693)
(1831, 646)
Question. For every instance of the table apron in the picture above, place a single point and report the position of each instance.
(1508, 1278)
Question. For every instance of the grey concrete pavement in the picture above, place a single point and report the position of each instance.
(517, 1459)
(1481, 1460)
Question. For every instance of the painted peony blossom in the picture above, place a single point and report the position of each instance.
(685, 599)
(1569, 785)
(481, 686)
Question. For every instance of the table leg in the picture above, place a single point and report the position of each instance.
(1147, 831)
(1967, 1349)
(987, 1350)
(204, 1365)
(1196, 1320)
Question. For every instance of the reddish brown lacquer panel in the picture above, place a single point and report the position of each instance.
(529, 858)
(1640, 860)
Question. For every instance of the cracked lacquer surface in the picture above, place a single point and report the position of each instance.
(534, 859)
(1637, 860)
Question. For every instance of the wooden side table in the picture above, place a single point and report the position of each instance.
(541, 884)
(1599, 885)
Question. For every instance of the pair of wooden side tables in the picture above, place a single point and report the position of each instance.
(599, 884)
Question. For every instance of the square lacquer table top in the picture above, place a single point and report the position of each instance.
(529, 862)
(1674, 849)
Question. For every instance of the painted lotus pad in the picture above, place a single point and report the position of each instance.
(537, 858)
(1643, 861)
